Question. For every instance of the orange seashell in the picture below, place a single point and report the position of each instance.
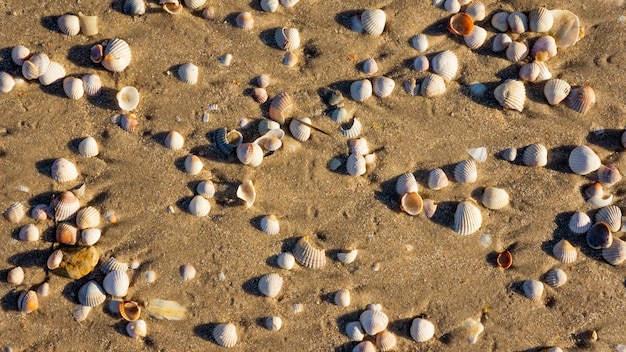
(129, 122)
(581, 99)
(461, 24)
(504, 260)
(28, 301)
(130, 310)
(411, 203)
(280, 107)
(66, 233)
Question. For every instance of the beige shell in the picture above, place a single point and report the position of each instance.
(270, 225)
(19, 54)
(29, 233)
(65, 206)
(430, 208)
(533, 289)
(113, 264)
(69, 24)
(15, 276)
(475, 39)
(544, 44)
(81, 313)
(244, 20)
(128, 98)
(437, 179)
(269, 5)
(540, 20)
(89, 237)
(88, 24)
(556, 90)
(247, 193)
(54, 73)
(137, 328)
(445, 64)
(7, 82)
(28, 302)
(467, 218)
(373, 321)
(342, 298)
(609, 175)
(188, 73)
(581, 99)
(422, 330)
(88, 217)
(250, 154)
(355, 331)
(535, 71)
(73, 88)
(495, 198)
(583, 160)
(92, 84)
(473, 329)
(116, 283)
(174, 140)
(55, 259)
(286, 260)
(500, 21)
(406, 183)
(615, 254)
(199, 206)
(193, 164)
(259, 95)
(564, 252)
(66, 233)
(287, 39)
(270, 285)
(373, 21)
(386, 341)
(225, 335)
(611, 215)
(88, 147)
(555, 278)
(206, 189)
(356, 165)
(411, 203)
(518, 22)
(117, 55)
(535, 155)
(281, 107)
(501, 42)
(15, 212)
(30, 70)
(300, 131)
(361, 90)
(307, 255)
(579, 223)
(91, 294)
(465, 171)
(517, 51)
(382, 86)
(511, 94)
(433, 85)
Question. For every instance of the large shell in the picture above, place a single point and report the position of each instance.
(581, 99)
(475, 39)
(495, 198)
(422, 330)
(88, 217)
(91, 294)
(373, 321)
(579, 223)
(500, 21)
(356, 165)
(116, 283)
(27, 301)
(386, 341)
(361, 90)
(411, 203)
(54, 73)
(599, 236)
(555, 278)
(117, 55)
(65, 206)
(373, 21)
(188, 73)
(615, 254)
(69, 24)
(128, 98)
(556, 90)
(63, 170)
(535, 155)
(564, 252)
(270, 225)
(433, 85)
(446, 64)
(270, 285)
(287, 39)
(406, 183)
(134, 7)
(300, 131)
(250, 154)
(247, 193)
(355, 331)
(465, 171)
(583, 160)
(199, 206)
(382, 86)
(540, 20)
(281, 107)
(518, 22)
(533, 289)
(225, 335)
(467, 218)
(511, 94)
(307, 255)
(19, 54)
(517, 51)
(92, 84)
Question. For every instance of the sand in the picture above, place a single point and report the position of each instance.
(412, 266)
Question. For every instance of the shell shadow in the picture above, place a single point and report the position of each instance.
(345, 319)
(159, 138)
(41, 198)
(70, 290)
(192, 185)
(346, 347)
(387, 194)
(256, 222)
(32, 258)
(487, 99)
(99, 198)
(45, 166)
(55, 89)
(250, 286)
(73, 144)
(444, 215)
(534, 92)
(509, 72)
(401, 327)
(50, 23)
(105, 100)
(342, 86)
(9, 301)
(183, 204)
(289, 244)
(231, 19)
(79, 56)
(609, 139)
(344, 18)
(439, 27)
(267, 38)
(558, 158)
(204, 331)
(6, 62)
(272, 261)
(255, 5)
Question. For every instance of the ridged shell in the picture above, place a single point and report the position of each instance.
(88, 147)
(422, 330)
(137, 328)
(347, 257)
(226, 141)
(430, 208)
(128, 98)
(199, 206)
(134, 7)
(420, 42)
(433, 85)
(354, 130)
(534, 72)
(359, 146)
(270, 285)
(500, 42)
(609, 175)
(41, 62)
(244, 20)
(533, 289)
(518, 22)
(475, 39)
(382, 86)
(91, 294)
(386, 341)
(300, 131)
(55, 259)
(465, 171)
(545, 43)
(355, 331)
(406, 183)
(88, 217)
(89, 237)
(564, 252)
(7, 82)
(411, 86)
(373, 21)
(281, 107)
(286, 260)
(540, 20)
(509, 154)
(411, 203)
(555, 278)
(174, 140)
(356, 165)
(452, 6)
(479, 154)
(467, 218)
(116, 283)
(92, 84)
(28, 302)
(225, 335)
(193, 164)
(112, 264)
(511, 94)
(194, 4)
(250, 154)
(130, 310)
(556, 90)
(270, 225)
(500, 21)
(66, 233)
(495, 198)
(307, 255)
(65, 206)
(342, 298)
(81, 313)
(476, 10)
(616, 253)
(29, 233)
(117, 55)
(247, 193)
(54, 73)
(188, 73)
(361, 90)
(69, 24)
(579, 223)
(19, 54)
(373, 321)
(29, 70)
(364, 346)
(445, 64)
(269, 5)
(535, 155)
(259, 95)
(581, 99)
(287, 39)
(517, 51)
(129, 122)
(420, 64)
(599, 236)
(206, 189)
(583, 160)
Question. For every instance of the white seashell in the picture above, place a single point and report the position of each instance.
(422, 330)
(41, 62)
(19, 54)
(128, 98)
(430, 207)
(579, 223)
(92, 84)
(225, 335)
(411, 203)
(530, 72)
(88, 24)
(28, 302)
(518, 22)
(420, 42)
(540, 20)
(29, 233)
(566, 28)
(266, 125)
(544, 44)
(446, 64)
(467, 218)
(452, 6)
(386, 341)
(406, 183)
(286, 260)
(263, 81)
(174, 140)
(15, 276)
(382, 86)
(134, 7)
(30, 70)
(583, 160)
(581, 99)
(88, 217)
(475, 39)
(54, 73)
(476, 10)
(226, 60)
(533, 289)
(517, 51)
(69, 24)
(361, 90)
(307, 255)
(615, 254)
(273, 323)
(247, 193)
(347, 257)
(500, 42)
(555, 278)
(289, 3)
(365, 346)
(250, 154)
(609, 175)
(495, 198)
(89, 237)
(465, 171)
(269, 224)
(112, 264)
(373, 321)
(55, 259)
(438, 3)
(199, 206)
(137, 328)
(281, 107)
(356, 165)
(564, 252)
(64, 170)
(355, 331)
(511, 94)
(206, 189)
(116, 283)
(611, 215)
(188, 73)
(354, 130)
(420, 64)
(194, 4)
(43, 290)
(244, 20)
(270, 285)
(299, 130)
(7, 82)
(193, 164)
(479, 154)
(437, 179)
(500, 21)
(599, 201)
(91, 294)
(359, 146)
(433, 85)
(15, 212)
(556, 90)
(259, 95)
(269, 5)
(474, 328)
(535, 155)
(117, 55)
(81, 313)
(373, 21)
(88, 147)
(287, 39)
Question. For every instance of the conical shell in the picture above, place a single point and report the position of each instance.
(63, 170)
(134, 7)
(29, 233)
(250, 154)
(92, 84)
(269, 224)
(69, 24)
(420, 64)
(556, 90)
(495, 198)
(117, 55)
(281, 107)
(373, 21)
(206, 189)
(361, 90)
(465, 171)
(354, 130)
(137, 328)
(445, 64)
(615, 254)
(128, 98)
(546, 44)
(116, 283)
(411, 203)
(287, 39)
(422, 330)
(500, 42)
(65, 206)
(270, 285)
(247, 193)
(87, 217)
(517, 51)
(535, 155)
(356, 165)
(373, 321)
(476, 39)
(88, 147)
(420, 42)
(112, 264)
(432, 86)
(225, 335)
(579, 223)
(518, 22)
(583, 160)
(500, 21)
(28, 302)
(476, 10)
(299, 130)
(188, 73)
(386, 341)
(540, 20)
(307, 255)
(286, 260)
(533, 289)
(89, 237)
(511, 94)
(467, 218)
(581, 99)
(15, 212)
(91, 294)
(609, 175)
(269, 5)
(199, 206)
(555, 278)
(382, 86)
(355, 331)
(54, 73)
(193, 164)
(406, 183)
(19, 54)
(66, 233)
(174, 140)
(599, 236)
(564, 252)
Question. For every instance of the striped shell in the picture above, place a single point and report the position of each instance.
(54, 73)
(476, 10)
(29, 70)
(533, 289)
(199, 206)
(250, 154)
(65, 206)
(556, 90)
(420, 64)
(88, 217)
(269, 5)
(555, 278)
(500, 42)
(495, 198)
(43, 290)
(544, 44)
(81, 313)
(509, 154)
(88, 147)
(579, 223)
(411, 203)
(500, 21)
(411, 86)
(465, 171)
(518, 22)
(29, 233)
(91, 294)
(420, 42)
(540, 20)
(535, 155)
(364, 346)
(373, 21)
(92, 84)
(259, 95)
(128, 98)
(609, 175)
(188, 73)
(516, 51)
(361, 90)
(174, 140)
(15, 212)
(287, 39)
(342, 298)
(356, 165)
(406, 183)
(355, 331)
(467, 218)
(247, 193)
(535, 71)
(433, 85)
(270, 285)
(386, 341)
(89, 237)
(511, 94)
(615, 254)
(117, 55)
(422, 330)
(7, 82)
(225, 335)
(281, 107)
(286, 260)
(299, 130)
(206, 189)
(446, 64)
(41, 62)
(193, 164)
(116, 283)
(307, 255)
(564, 252)
(583, 160)
(194, 4)
(382, 86)
(479, 154)
(373, 321)
(134, 7)
(599, 236)
(69, 24)
(244, 20)
(226, 141)
(354, 130)
(359, 146)
(137, 328)
(113, 264)
(269, 224)
(73, 88)
(19, 54)
(28, 302)
(581, 99)
(475, 39)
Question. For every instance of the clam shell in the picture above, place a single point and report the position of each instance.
(361, 90)
(19, 54)
(91, 294)
(533, 289)
(69, 24)
(193, 164)
(420, 64)
(583, 160)
(41, 62)
(65, 206)
(555, 278)
(545, 43)
(500, 42)
(518, 22)
(269, 5)
(55, 259)
(386, 341)
(300, 131)
(287, 39)
(206, 189)
(347, 257)
(194, 4)
(250, 154)
(88, 147)
(28, 302)
(226, 60)
(382, 86)
(476, 39)
(479, 154)
(411, 203)
(15, 212)
(269, 224)
(89, 237)
(495, 198)
(430, 207)
(96, 53)
(43, 290)
(517, 51)
(134, 7)
(92, 84)
(373, 321)
(116, 283)
(128, 98)
(579, 223)
(535, 71)
(422, 330)
(270, 285)
(565, 28)
(467, 218)
(129, 122)
(476, 10)
(433, 85)
(81, 313)
(259, 95)
(63, 170)
(112, 264)
(29, 233)
(174, 140)
(420, 42)
(199, 206)
(556, 90)
(355, 331)
(88, 217)
(540, 20)
(262, 81)
(7, 82)
(188, 73)
(54, 73)
(356, 165)
(273, 323)
(474, 328)
(535, 155)
(342, 298)
(117, 55)
(244, 20)
(500, 21)
(281, 107)
(66, 233)
(406, 183)
(511, 94)
(581, 99)
(286, 260)
(307, 255)
(354, 130)
(465, 171)
(609, 175)
(225, 335)
(615, 254)
(364, 346)
(247, 193)
(15, 276)
(611, 215)
(564, 252)
(445, 64)
(373, 21)
(137, 328)
(30, 70)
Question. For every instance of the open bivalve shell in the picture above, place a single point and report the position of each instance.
(225, 335)
(130, 310)
(611, 215)
(461, 24)
(116, 283)
(581, 99)
(465, 171)
(615, 254)
(511, 94)
(269, 224)
(583, 160)
(556, 90)
(467, 218)
(270, 285)
(555, 278)
(422, 330)
(533, 289)
(137, 328)
(188, 73)
(564, 252)
(247, 193)
(445, 64)
(117, 55)
(579, 223)
(307, 255)
(373, 321)
(495, 198)
(373, 21)
(128, 98)
(199, 206)
(91, 294)
(437, 179)
(406, 183)
(287, 39)
(535, 155)
(599, 236)
(411, 203)
(28, 302)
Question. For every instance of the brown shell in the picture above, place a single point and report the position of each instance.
(461, 24)
(130, 310)
(280, 107)
(504, 260)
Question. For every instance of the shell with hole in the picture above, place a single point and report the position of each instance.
(583, 160)
(307, 255)
(270, 225)
(511, 94)
(564, 252)
(247, 193)
(188, 73)
(281, 107)
(270, 285)
(225, 335)
(422, 330)
(445, 64)
(199, 206)
(533, 289)
(373, 21)
(117, 55)
(495, 198)
(467, 218)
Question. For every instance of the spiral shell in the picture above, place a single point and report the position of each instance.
(583, 160)
(581, 99)
(91, 294)
(564, 252)
(54, 73)
(270, 285)
(406, 183)
(615, 254)
(225, 335)
(533, 289)
(465, 171)
(373, 321)
(287, 39)
(117, 55)
(433, 85)
(556, 90)
(555, 278)
(199, 206)
(422, 330)
(467, 218)
(495, 198)
(116, 283)
(281, 107)
(382, 86)
(511, 94)
(270, 225)
(28, 302)
(307, 255)
(361, 90)
(445, 64)
(579, 223)
(373, 21)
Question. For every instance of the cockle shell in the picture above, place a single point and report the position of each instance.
(540, 20)
(342, 298)
(386, 340)
(544, 44)
(354, 130)
(194, 4)
(517, 51)
(600, 236)
(116, 283)
(535, 71)
(411, 203)
(91, 294)
(373, 321)
(174, 140)
(581, 99)
(29, 233)
(28, 302)
(511, 94)
(422, 330)
(452, 6)
(430, 208)
(555, 278)
(461, 24)
(259, 95)
(289, 3)
(446, 64)
(579, 223)
(476, 39)
(69, 24)
(615, 254)
(19, 54)
(299, 130)
(535, 155)
(495, 198)
(583, 160)
(117, 55)
(500, 21)
(269, 224)
(250, 154)
(307, 255)
(41, 62)
(287, 39)
(113, 264)
(269, 5)
(134, 7)
(88, 147)
(420, 42)
(63, 170)
(92, 84)
(420, 64)
(518, 22)
(359, 146)
(273, 323)
(382, 86)
(89, 237)
(247, 193)
(373, 21)
(225, 335)
(193, 164)
(199, 206)
(611, 215)
(54, 73)
(88, 217)
(479, 154)
(467, 218)
(465, 171)
(281, 107)
(188, 73)
(356, 165)
(30, 70)
(364, 346)
(355, 331)
(340, 115)
(500, 42)
(206, 189)
(476, 10)
(7, 82)
(270, 285)
(129, 122)
(129, 310)
(361, 90)
(564, 252)
(65, 206)
(128, 98)
(187, 272)
(411, 86)
(347, 257)
(15, 212)
(556, 90)
(533, 289)
(15, 276)
(433, 85)
(244, 20)
(137, 328)
(406, 183)
(55, 259)
(286, 260)
(609, 175)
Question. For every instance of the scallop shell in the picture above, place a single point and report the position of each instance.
(54, 73)
(555, 278)
(556, 90)
(88, 147)
(112, 264)
(117, 55)
(65, 206)
(433, 85)
(422, 330)
(356, 165)
(270, 285)
(535, 155)
(386, 341)
(533, 289)
(495, 198)
(92, 84)
(609, 175)
(300, 131)
(382, 86)
(476, 10)
(194, 4)
(373, 21)
(28, 302)
(581, 99)
(269, 224)
(501, 42)
(373, 321)
(467, 218)
(247, 193)
(199, 206)
(55, 259)
(420, 42)
(41, 62)
(7, 82)
(188, 73)
(307, 255)
(511, 94)
(476, 39)
(420, 64)
(137, 328)
(579, 223)
(461, 24)
(244, 20)
(206, 189)
(355, 331)
(15, 212)
(583, 160)
(88, 217)
(286, 260)
(19, 54)
(269, 5)
(88, 24)
(564, 252)
(615, 254)
(69, 24)
(465, 171)
(565, 28)
(29, 233)
(15, 276)
(446, 64)
(29, 70)
(225, 335)
(517, 51)
(116, 283)
(518, 22)
(540, 20)
(91, 294)
(128, 98)
(500, 21)
(347, 257)
(287, 39)
(89, 237)
(134, 7)
(361, 90)
(259, 95)
(281, 107)
(406, 183)
(611, 215)
(250, 154)
(354, 130)
(273, 323)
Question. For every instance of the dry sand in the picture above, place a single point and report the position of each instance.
(424, 268)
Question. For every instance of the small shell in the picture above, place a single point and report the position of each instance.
(476, 10)
(28, 302)
(406, 183)
(501, 42)
(7, 82)
(263, 81)
(430, 207)
(81, 313)
(193, 164)
(54, 73)
(66, 233)
(273, 323)
(365, 346)
(270, 285)
(29, 233)
(194, 4)
(518, 22)
(479, 154)
(174, 140)
(88, 147)
(517, 51)
(88, 24)
(495, 198)
(545, 44)
(92, 84)
(209, 12)
(188, 73)
(581, 99)
(509, 154)
(373, 321)
(579, 223)
(461, 24)
(564, 252)
(355, 331)
(354, 130)
(226, 60)
(286, 260)
(289, 3)
(225, 335)
(609, 175)
(269, 224)
(15, 276)
(420, 42)
(55, 259)
(382, 86)
(281, 107)
(615, 254)
(91, 294)
(287, 39)
(41, 62)
(420, 64)
(30, 70)
(130, 310)
(535, 71)
(128, 98)
(473, 328)
(504, 260)
(199, 206)
(347, 257)
(373, 21)
(386, 340)
(422, 330)
(359, 146)
(437, 178)
(89, 237)
(137, 328)
(129, 122)
(465, 171)
(69, 24)
(259, 95)
(206, 189)
(300, 131)
(411, 203)
(245, 21)
(446, 64)
(433, 85)
(19, 54)
(134, 7)
(599, 236)
(96, 53)
(250, 154)
(290, 59)
(269, 5)
(356, 165)
(533, 289)
(15, 212)
(88, 217)
(556, 90)
(117, 55)
(452, 6)
(247, 193)
(113, 264)
(467, 218)
(511, 94)
(43, 290)
(500, 21)
(535, 155)
(583, 160)
(307, 255)
(64, 170)
(116, 283)
(476, 39)
(555, 278)
(361, 90)
(540, 20)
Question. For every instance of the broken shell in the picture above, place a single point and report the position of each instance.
(15, 276)
(556, 90)
(307, 255)
(420, 42)
(465, 171)
(89, 237)
(69, 24)
(92, 84)
(599, 236)
(533, 289)
(226, 141)
(137, 329)
(250, 154)
(511, 94)
(446, 64)
(495, 198)
(373, 21)
(286, 260)
(373, 321)
(406, 183)
(509, 154)
(518, 22)
(500, 42)
(437, 179)
(130, 310)
(545, 44)
(247, 193)
(226, 59)
(347, 257)
(116, 283)
(386, 340)
(188, 73)
(411, 203)
(66, 233)
(117, 55)
(555, 278)
(422, 330)
(361, 90)
(88, 24)
(174, 140)
(15, 212)
(128, 98)
(433, 85)
(565, 28)
(54, 260)
(504, 260)
(134, 7)
(73, 88)
(564, 252)
(225, 335)
(269, 224)
(27, 301)
(476, 10)
(199, 206)
(88, 217)
(193, 164)
(467, 218)
(579, 223)
(476, 39)
(540, 20)
(474, 328)
(300, 131)
(461, 24)
(88, 147)
(500, 21)
(19, 54)
(163, 309)
(420, 64)
(29, 233)
(356, 165)
(270, 285)
(91, 294)
(259, 95)
(535, 155)
(479, 154)
(113, 264)
(54, 73)
(615, 254)
(583, 160)
(287, 39)
(281, 107)
(609, 175)
(595, 189)
(354, 130)
(382, 86)
(206, 189)
(581, 99)
(355, 331)
(517, 51)
(269, 5)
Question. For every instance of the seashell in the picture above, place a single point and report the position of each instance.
(422, 330)
(89, 237)
(128, 98)
(500, 21)
(199, 206)
(369, 66)
(555, 278)
(364, 346)
(495, 198)
(373, 321)
(130, 310)
(206, 189)
(137, 328)
(430, 207)
(500, 42)
(299, 130)
(54, 73)
(533, 289)
(41, 62)
(356, 165)
(518, 22)
(452, 6)
(411, 203)
(225, 335)
(88, 24)
(355, 331)
(535, 155)
(193, 164)
(15, 276)
(96, 53)
(373, 21)
(406, 183)
(259, 95)
(565, 28)
(347, 257)
(564, 252)
(354, 130)
(88, 217)
(91, 294)
(209, 12)
(194, 4)
(286, 260)
(437, 179)
(247, 193)
(581, 99)
(29, 233)
(270, 285)
(28, 302)
(7, 82)
(476, 39)
(69, 24)
(355, 24)
(244, 20)
(81, 313)
(517, 51)
(610, 215)
(504, 260)
(556, 90)
(129, 122)
(88, 147)
(476, 10)
(92, 84)
(474, 328)
(467, 218)
(134, 7)
(307, 255)
(116, 283)
(188, 73)
(269, 224)
(479, 154)
(65, 206)
(411, 86)
(66, 233)
(461, 24)
(112, 264)
(269, 5)
(55, 259)
(29, 70)
(174, 140)
(544, 44)
(281, 107)
(361, 90)
(386, 340)
(509, 154)
(19, 54)
(250, 154)
(530, 72)
(615, 254)
(226, 141)
(15, 212)
(465, 171)
(420, 42)
(273, 323)
(583, 160)
(433, 85)
(382, 86)
(117, 55)
(511, 94)
(359, 146)
(579, 223)
(263, 81)
(420, 64)
(289, 3)
(540, 20)
(43, 290)
(290, 59)
(609, 175)
(445, 64)
(287, 39)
